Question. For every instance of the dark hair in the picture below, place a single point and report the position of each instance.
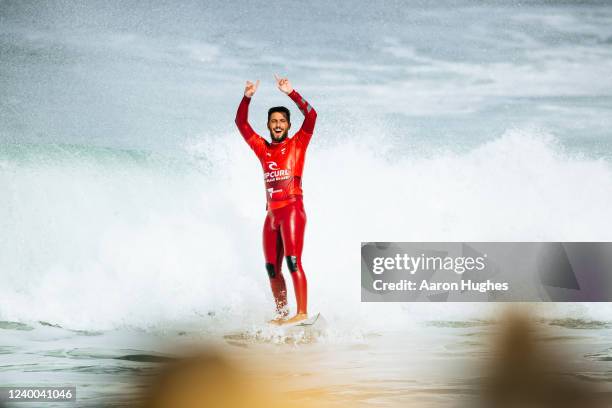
(280, 109)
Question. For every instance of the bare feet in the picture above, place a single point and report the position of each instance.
(277, 320)
(280, 316)
(295, 319)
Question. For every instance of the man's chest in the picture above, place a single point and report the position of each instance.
(280, 158)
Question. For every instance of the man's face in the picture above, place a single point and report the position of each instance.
(278, 126)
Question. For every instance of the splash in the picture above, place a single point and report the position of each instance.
(106, 238)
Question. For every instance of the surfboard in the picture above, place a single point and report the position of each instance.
(311, 321)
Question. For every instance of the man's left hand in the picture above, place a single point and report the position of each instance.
(283, 84)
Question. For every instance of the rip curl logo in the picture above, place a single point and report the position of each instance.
(275, 174)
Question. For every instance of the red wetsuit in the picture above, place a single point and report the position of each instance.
(283, 231)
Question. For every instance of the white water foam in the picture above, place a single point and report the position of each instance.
(95, 243)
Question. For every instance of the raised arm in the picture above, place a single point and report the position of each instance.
(242, 120)
(310, 115)
(242, 115)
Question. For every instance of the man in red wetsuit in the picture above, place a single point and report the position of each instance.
(282, 161)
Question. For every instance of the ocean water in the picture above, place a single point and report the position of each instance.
(436, 363)
(131, 205)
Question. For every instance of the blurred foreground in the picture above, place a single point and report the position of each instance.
(519, 365)
(507, 360)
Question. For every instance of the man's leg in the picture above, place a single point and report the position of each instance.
(273, 254)
(292, 231)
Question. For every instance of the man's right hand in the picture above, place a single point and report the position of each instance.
(250, 88)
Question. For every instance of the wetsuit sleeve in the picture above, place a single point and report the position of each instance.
(310, 117)
(256, 142)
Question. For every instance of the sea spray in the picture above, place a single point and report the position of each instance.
(107, 237)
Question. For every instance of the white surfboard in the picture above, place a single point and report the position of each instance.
(312, 326)
(311, 321)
